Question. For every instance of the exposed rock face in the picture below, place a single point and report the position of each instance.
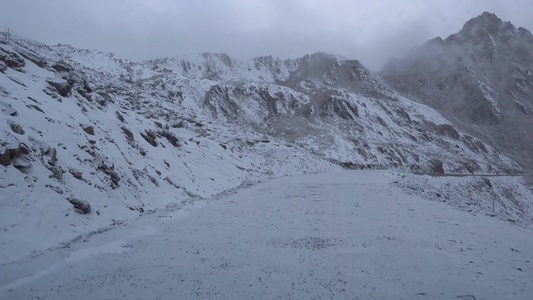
(62, 66)
(481, 77)
(63, 87)
(11, 60)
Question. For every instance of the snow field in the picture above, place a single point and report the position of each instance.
(344, 235)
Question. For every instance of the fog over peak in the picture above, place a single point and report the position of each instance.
(357, 29)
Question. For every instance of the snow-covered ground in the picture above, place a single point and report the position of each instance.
(343, 235)
(168, 154)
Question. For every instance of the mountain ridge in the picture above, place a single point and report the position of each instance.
(479, 77)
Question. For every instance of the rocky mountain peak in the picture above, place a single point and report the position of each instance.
(481, 77)
(486, 20)
(321, 58)
(486, 29)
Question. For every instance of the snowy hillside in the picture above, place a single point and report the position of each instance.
(71, 136)
(89, 140)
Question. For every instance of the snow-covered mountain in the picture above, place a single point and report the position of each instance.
(83, 128)
(481, 78)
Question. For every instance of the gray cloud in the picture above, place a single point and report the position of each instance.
(367, 30)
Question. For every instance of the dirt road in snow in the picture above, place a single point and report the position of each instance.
(348, 235)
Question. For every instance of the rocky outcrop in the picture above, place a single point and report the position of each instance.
(61, 86)
(62, 66)
(11, 60)
(12, 149)
(80, 206)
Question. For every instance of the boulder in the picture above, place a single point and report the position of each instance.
(11, 149)
(5, 159)
(88, 129)
(16, 127)
(52, 153)
(63, 87)
(22, 165)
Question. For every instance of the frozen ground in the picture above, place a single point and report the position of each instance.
(346, 235)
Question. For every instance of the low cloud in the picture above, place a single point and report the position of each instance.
(370, 31)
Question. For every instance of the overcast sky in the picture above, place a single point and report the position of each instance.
(368, 30)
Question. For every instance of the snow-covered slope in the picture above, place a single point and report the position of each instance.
(81, 127)
(79, 135)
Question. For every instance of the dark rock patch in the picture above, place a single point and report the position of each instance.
(12, 60)
(63, 87)
(115, 179)
(16, 128)
(37, 108)
(55, 189)
(75, 173)
(149, 137)
(447, 130)
(128, 134)
(88, 129)
(80, 206)
(436, 166)
(11, 154)
(171, 138)
(62, 67)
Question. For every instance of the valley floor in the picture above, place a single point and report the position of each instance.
(346, 235)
